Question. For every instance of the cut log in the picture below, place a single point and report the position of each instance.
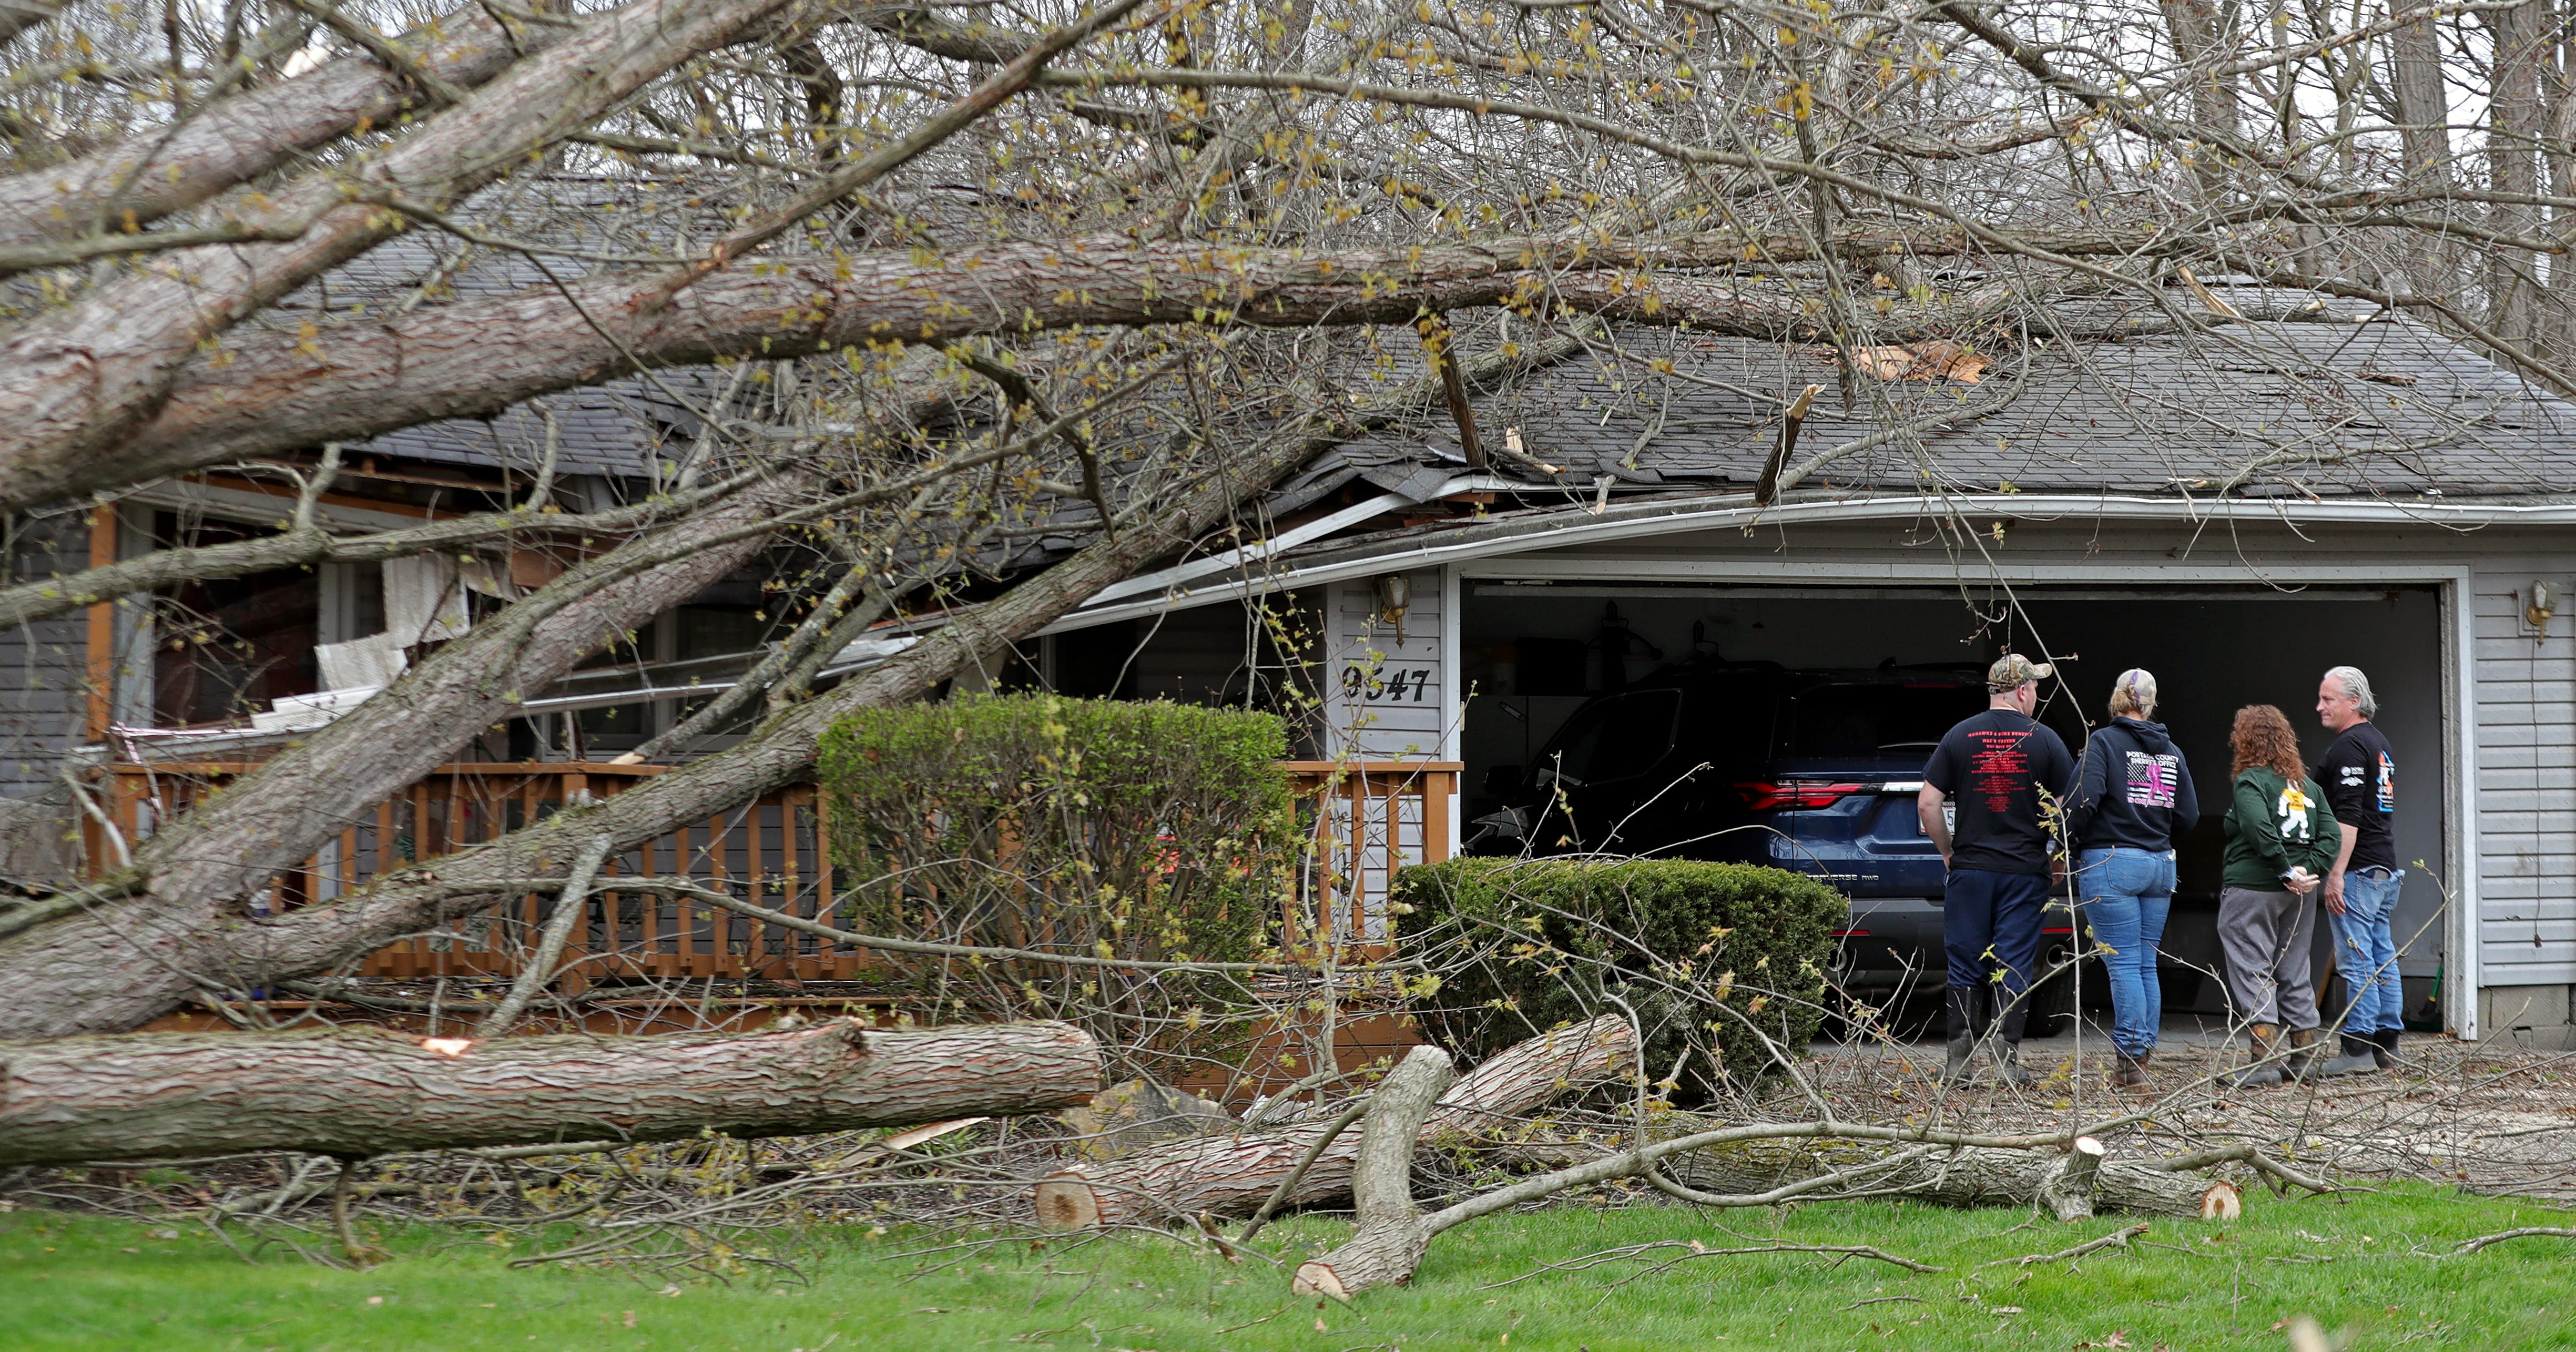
(146, 1095)
(1234, 1175)
(1391, 1236)
(1962, 1177)
(2067, 1189)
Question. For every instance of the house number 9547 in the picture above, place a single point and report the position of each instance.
(1399, 684)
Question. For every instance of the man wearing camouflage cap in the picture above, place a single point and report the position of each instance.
(2009, 776)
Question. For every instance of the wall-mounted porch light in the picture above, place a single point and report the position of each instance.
(1394, 595)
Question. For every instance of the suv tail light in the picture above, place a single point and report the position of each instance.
(1763, 795)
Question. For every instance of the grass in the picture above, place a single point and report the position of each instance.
(2361, 1265)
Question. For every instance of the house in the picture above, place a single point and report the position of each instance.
(2235, 505)
(2237, 499)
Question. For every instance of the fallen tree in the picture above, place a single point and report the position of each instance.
(1391, 1236)
(354, 1095)
(1235, 1175)
(1943, 1167)
(2073, 1185)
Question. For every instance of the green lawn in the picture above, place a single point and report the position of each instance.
(2357, 1264)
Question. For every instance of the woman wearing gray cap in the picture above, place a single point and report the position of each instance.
(2133, 799)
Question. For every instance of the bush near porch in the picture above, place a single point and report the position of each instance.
(1557, 937)
(1140, 830)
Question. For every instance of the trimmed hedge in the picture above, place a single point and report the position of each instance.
(1671, 937)
(1133, 830)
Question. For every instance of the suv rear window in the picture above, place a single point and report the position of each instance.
(1874, 719)
(1613, 738)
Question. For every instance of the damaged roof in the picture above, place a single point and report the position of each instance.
(2343, 400)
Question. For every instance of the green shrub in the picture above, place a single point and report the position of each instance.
(1132, 830)
(1524, 945)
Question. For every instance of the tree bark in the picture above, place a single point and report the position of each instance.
(350, 1094)
(1963, 1177)
(1234, 1175)
(17, 16)
(1390, 1240)
(75, 381)
(2522, 38)
(245, 135)
(473, 359)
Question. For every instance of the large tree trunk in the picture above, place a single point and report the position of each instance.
(1763, 1157)
(147, 1095)
(2522, 38)
(162, 170)
(277, 393)
(1234, 1175)
(75, 381)
(1389, 1242)
(1964, 1177)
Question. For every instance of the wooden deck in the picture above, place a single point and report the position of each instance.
(1367, 819)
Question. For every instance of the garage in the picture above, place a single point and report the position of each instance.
(2236, 516)
(1537, 650)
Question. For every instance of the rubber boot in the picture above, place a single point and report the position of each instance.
(2301, 1062)
(2008, 1068)
(2360, 1057)
(1961, 1025)
(2131, 1073)
(2260, 1041)
(2385, 1048)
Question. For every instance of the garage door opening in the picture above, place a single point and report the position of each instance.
(1538, 653)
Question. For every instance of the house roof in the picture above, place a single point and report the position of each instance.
(2341, 401)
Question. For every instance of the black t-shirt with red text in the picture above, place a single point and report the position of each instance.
(1994, 767)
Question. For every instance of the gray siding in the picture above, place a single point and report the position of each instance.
(43, 666)
(2526, 790)
(1385, 698)
(1384, 690)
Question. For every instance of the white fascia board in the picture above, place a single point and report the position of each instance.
(1483, 557)
(1248, 555)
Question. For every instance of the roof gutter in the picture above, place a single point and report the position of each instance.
(1574, 527)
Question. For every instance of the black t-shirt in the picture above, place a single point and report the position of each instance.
(2359, 775)
(1993, 766)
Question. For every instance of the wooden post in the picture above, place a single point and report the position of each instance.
(102, 631)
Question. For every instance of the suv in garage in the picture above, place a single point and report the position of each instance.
(1814, 771)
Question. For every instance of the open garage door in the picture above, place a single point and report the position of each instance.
(1541, 652)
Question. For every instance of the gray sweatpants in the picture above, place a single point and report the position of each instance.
(2266, 936)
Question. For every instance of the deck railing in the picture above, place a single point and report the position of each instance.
(1368, 819)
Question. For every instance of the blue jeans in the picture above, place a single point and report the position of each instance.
(2366, 950)
(1990, 926)
(2127, 893)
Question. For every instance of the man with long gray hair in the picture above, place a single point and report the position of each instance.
(2359, 775)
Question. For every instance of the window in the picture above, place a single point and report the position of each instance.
(1873, 720)
(224, 647)
(1615, 738)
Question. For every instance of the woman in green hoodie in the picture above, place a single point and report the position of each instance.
(2277, 829)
